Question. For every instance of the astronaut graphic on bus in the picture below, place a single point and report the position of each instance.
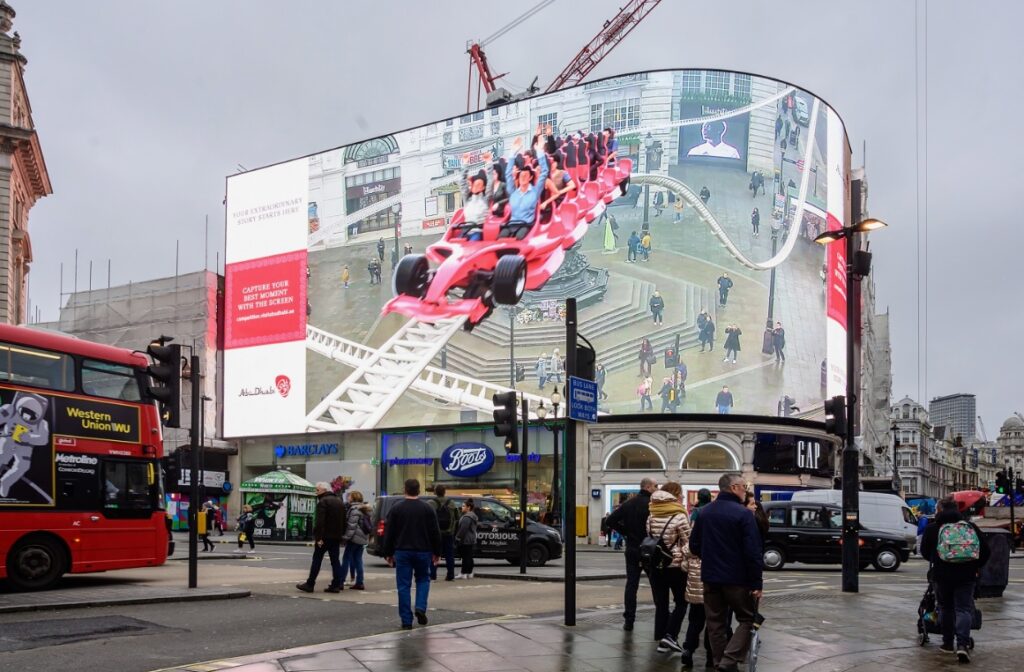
(23, 428)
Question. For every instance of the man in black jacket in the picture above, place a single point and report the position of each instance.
(954, 581)
(328, 529)
(412, 540)
(728, 542)
(630, 520)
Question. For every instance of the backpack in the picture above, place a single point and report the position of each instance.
(446, 520)
(365, 524)
(958, 542)
(653, 554)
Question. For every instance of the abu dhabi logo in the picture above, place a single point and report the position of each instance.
(284, 385)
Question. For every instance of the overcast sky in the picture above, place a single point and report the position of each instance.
(144, 107)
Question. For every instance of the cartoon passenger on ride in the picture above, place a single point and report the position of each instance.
(22, 428)
(528, 188)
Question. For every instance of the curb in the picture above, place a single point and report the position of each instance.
(206, 556)
(119, 601)
(547, 579)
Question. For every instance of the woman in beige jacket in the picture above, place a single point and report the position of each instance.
(669, 522)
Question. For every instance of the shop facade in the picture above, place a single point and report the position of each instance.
(777, 456)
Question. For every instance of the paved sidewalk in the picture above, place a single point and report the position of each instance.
(805, 631)
(78, 597)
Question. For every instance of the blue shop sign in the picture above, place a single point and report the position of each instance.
(467, 460)
(306, 450)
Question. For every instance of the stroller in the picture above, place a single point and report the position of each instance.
(929, 619)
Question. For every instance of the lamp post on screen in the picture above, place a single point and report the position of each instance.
(767, 343)
(858, 265)
(647, 187)
(396, 211)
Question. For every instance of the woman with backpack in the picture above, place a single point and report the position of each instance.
(357, 535)
(465, 537)
(669, 527)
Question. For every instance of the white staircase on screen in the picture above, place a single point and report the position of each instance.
(453, 388)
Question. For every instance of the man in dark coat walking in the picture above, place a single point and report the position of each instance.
(630, 520)
(954, 581)
(328, 528)
(725, 537)
(779, 342)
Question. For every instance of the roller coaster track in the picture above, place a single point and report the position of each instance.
(693, 200)
(387, 373)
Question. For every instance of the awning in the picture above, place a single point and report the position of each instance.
(279, 481)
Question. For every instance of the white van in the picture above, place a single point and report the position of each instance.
(878, 511)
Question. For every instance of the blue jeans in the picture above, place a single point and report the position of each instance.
(723, 410)
(407, 565)
(330, 547)
(353, 559)
(956, 608)
(448, 553)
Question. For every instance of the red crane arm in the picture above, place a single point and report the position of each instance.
(479, 58)
(611, 34)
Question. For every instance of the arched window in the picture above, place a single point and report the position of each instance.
(371, 149)
(635, 457)
(709, 456)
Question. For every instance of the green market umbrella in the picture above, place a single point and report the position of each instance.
(280, 482)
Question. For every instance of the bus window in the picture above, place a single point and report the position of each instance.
(39, 368)
(127, 486)
(113, 381)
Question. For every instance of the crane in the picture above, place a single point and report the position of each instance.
(981, 426)
(612, 33)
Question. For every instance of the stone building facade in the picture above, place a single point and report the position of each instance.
(23, 176)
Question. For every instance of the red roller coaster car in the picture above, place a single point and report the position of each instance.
(472, 276)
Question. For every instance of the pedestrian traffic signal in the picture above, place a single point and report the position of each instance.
(1002, 483)
(835, 415)
(506, 407)
(787, 406)
(671, 358)
(166, 374)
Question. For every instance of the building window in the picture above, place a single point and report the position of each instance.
(691, 81)
(741, 84)
(371, 149)
(495, 128)
(470, 118)
(467, 133)
(717, 83)
(635, 457)
(710, 456)
(447, 138)
(619, 115)
(549, 119)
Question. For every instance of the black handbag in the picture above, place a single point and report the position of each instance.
(653, 554)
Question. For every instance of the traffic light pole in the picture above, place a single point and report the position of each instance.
(851, 475)
(524, 455)
(1013, 519)
(569, 486)
(194, 489)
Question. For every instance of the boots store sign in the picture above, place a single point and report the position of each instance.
(793, 454)
(467, 460)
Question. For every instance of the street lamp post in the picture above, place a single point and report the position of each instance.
(647, 187)
(767, 346)
(858, 265)
(542, 413)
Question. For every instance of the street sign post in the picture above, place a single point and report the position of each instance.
(582, 399)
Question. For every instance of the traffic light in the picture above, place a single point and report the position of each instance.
(586, 361)
(671, 358)
(166, 374)
(787, 406)
(1002, 483)
(835, 415)
(506, 407)
(520, 373)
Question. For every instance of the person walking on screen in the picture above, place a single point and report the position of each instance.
(328, 528)
(724, 285)
(412, 542)
(726, 539)
(630, 520)
(380, 249)
(723, 402)
(957, 551)
(732, 342)
(465, 537)
(779, 342)
(708, 332)
(657, 307)
(542, 370)
(447, 520)
(632, 248)
(755, 221)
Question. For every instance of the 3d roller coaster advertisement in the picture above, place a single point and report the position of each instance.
(403, 280)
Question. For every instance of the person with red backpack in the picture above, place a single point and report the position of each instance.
(957, 552)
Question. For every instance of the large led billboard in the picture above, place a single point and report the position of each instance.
(700, 287)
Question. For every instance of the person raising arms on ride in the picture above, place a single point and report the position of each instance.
(474, 202)
(524, 197)
(558, 184)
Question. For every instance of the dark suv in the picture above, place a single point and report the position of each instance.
(497, 534)
(812, 533)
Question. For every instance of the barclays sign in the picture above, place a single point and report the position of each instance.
(467, 460)
(306, 450)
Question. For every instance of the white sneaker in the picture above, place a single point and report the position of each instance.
(726, 359)
(469, 576)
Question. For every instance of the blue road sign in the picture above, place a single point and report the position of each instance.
(582, 399)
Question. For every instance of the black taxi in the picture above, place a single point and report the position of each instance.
(497, 533)
(812, 533)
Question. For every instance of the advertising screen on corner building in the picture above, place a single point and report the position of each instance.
(697, 279)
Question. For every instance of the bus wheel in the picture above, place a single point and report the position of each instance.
(36, 563)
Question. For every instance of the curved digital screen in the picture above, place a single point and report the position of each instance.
(699, 284)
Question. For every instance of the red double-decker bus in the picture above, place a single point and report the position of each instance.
(80, 447)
